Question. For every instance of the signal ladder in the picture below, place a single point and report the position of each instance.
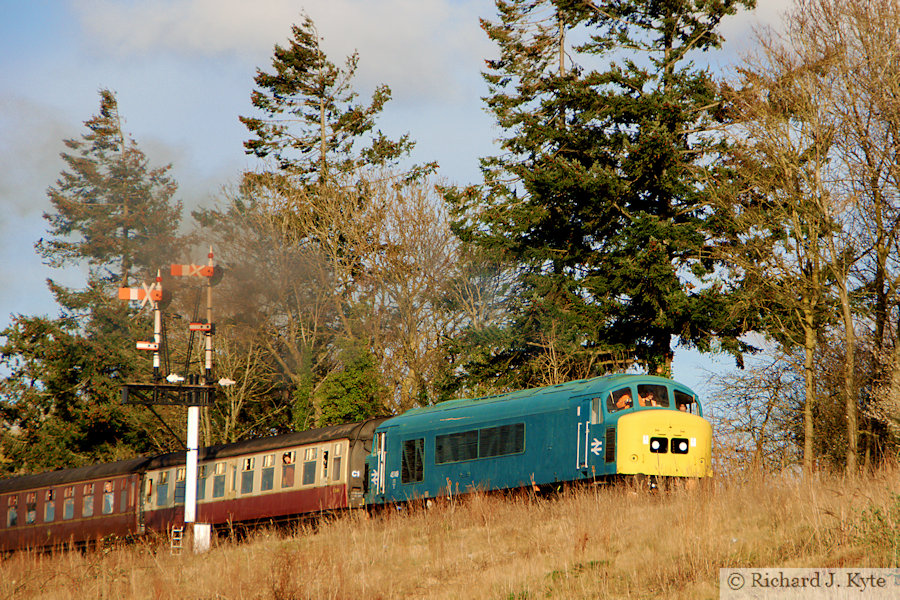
(176, 540)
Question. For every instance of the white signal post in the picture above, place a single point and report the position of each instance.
(193, 425)
(153, 294)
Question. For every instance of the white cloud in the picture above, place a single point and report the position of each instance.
(415, 47)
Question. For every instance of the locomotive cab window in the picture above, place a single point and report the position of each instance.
(653, 395)
(685, 402)
(619, 400)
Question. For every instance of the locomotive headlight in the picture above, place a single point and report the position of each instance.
(659, 445)
(680, 446)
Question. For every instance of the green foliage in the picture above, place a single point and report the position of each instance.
(111, 210)
(353, 392)
(599, 195)
(60, 404)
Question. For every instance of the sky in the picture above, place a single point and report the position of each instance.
(183, 72)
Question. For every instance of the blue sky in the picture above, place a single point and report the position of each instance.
(182, 71)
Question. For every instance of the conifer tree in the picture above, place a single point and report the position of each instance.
(311, 124)
(60, 403)
(598, 196)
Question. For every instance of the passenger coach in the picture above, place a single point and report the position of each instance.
(265, 479)
(581, 430)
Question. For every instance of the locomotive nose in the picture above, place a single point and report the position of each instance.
(665, 443)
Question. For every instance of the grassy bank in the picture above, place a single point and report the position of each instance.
(583, 543)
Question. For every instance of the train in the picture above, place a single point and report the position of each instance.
(587, 430)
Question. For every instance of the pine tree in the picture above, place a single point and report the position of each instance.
(599, 195)
(60, 404)
(312, 125)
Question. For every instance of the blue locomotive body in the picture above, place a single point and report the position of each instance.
(566, 432)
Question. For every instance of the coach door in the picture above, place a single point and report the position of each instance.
(589, 436)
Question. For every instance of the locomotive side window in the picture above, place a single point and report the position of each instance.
(653, 395)
(502, 440)
(456, 447)
(49, 507)
(287, 468)
(68, 502)
(247, 475)
(413, 461)
(619, 400)
(87, 501)
(219, 480)
(684, 402)
(596, 413)
(267, 481)
(162, 489)
(109, 498)
(309, 466)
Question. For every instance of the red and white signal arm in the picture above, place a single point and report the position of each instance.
(140, 294)
(200, 327)
(192, 271)
(147, 346)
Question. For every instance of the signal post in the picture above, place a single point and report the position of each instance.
(171, 389)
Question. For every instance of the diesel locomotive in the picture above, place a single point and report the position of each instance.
(586, 430)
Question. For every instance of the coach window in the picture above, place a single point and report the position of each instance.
(287, 468)
(12, 511)
(123, 496)
(87, 500)
(309, 466)
(201, 482)
(336, 463)
(267, 477)
(219, 480)
(109, 497)
(619, 400)
(412, 461)
(180, 477)
(30, 508)
(247, 475)
(49, 506)
(684, 402)
(68, 502)
(162, 489)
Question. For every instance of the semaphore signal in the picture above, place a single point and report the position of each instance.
(169, 388)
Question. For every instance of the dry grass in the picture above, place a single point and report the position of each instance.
(585, 543)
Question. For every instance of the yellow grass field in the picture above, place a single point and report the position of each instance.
(592, 542)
